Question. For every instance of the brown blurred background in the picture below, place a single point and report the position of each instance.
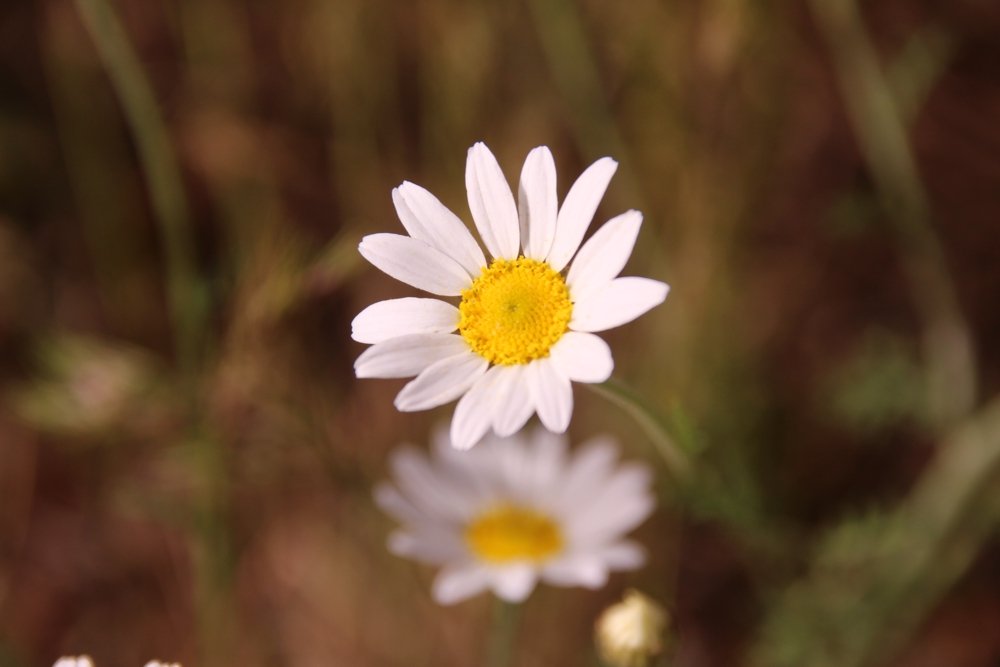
(186, 458)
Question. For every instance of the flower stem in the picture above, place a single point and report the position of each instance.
(503, 633)
(675, 458)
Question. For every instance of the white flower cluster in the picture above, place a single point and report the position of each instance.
(519, 508)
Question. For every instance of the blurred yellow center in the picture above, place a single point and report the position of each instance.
(510, 533)
(515, 311)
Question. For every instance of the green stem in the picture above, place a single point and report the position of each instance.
(160, 170)
(650, 421)
(503, 633)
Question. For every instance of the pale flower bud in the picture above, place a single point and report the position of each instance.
(629, 633)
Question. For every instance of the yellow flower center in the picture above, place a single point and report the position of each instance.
(509, 533)
(515, 311)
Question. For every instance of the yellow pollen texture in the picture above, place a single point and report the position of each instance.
(509, 533)
(515, 311)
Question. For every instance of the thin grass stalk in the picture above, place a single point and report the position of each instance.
(159, 167)
(675, 458)
(882, 135)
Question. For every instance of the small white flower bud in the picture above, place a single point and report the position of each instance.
(629, 633)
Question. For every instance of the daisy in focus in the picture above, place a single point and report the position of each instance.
(514, 511)
(523, 329)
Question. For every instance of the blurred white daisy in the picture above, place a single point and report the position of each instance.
(77, 661)
(525, 329)
(515, 511)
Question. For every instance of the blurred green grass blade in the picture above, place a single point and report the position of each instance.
(873, 580)
(914, 71)
(882, 137)
(161, 172)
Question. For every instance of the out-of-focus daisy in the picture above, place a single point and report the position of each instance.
(514, 511)
(630, 633)
(85, 661)
(525, 329)
(74, 661)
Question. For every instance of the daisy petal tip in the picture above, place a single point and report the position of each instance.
(461, 442)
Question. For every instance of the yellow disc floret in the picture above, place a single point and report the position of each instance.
(509, 533)
(515, 311)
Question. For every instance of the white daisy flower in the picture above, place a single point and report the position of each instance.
(514, 511)
(523, 329)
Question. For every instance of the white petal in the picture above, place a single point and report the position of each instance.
(492, 203)
(407, 356)
(435, 547)
(441, 382)
(578, 210)
(551, 393)
(514, 405)
(620, 301)
(454, 584)
(427, 219)
(400, 317)
(585, 570)
(514, 583)
(474, 413)
(430, 489)
(618, 505)
(547, 461)
(604, 255)
(588, 469)
(538, 203)
(415, 263)
(583, 357)
(624, 555)
(396, 505)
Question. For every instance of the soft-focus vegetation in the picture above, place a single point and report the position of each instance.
(186, 459)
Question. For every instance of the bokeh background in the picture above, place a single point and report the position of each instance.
(186, 459)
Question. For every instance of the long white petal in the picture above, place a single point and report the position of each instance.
(427, 487)
(624, 555)
(514, 583)
(620, 301)
(407, 356)
(589, 468)
(427, 219)
(492, 203)
(551, 393)
(398, 506)
(437, 546)
(578, 210)
(456, 583)
(585, 570)
(582, 357)
(416, 263)
(514, 405)
(538, 203)
(474, 412)
(604, 255)
(441, 382)
(401, 317)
